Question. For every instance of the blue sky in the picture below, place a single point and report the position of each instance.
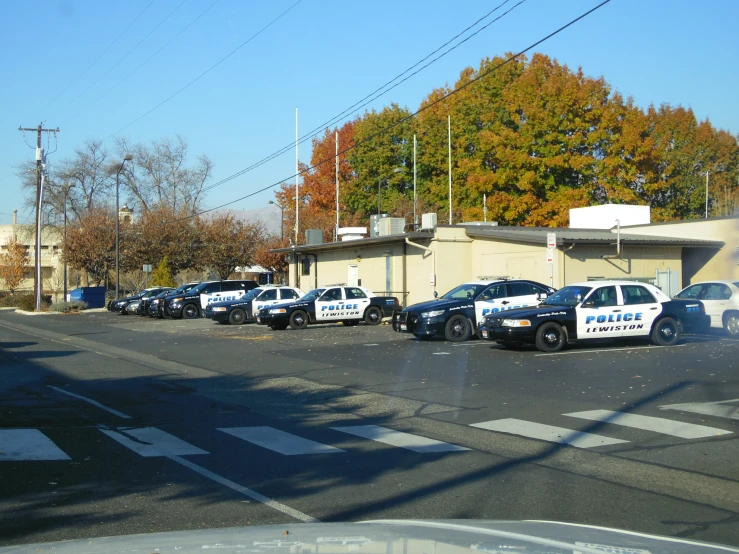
(321, 57)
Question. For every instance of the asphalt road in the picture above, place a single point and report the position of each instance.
(119, 424)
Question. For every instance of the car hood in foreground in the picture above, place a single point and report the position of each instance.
(536, 311)
(408, 536)
(438, 304)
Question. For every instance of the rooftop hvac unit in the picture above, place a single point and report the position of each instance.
(391, 226)
(313, 236)
(374, 230)
(428, 222)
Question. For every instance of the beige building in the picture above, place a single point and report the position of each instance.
(412, 266)
(51, 264)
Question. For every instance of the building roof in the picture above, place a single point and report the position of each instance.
(565, 235)
(359, 243)
(685, 221)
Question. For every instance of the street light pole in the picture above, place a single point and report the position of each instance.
(66, 194)
(126, 158)
(706, 194)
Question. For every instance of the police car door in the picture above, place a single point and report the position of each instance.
(597, 315)
(357, 302)
(211, 293)
(330, 305)
(523, 295)
(266, 298)
(641, 308)
(491, 300)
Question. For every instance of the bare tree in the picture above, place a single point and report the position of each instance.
(160, 176)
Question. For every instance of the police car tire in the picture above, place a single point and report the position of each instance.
(298, 320)
(551, 337)
(665, 332)
(190, 311)
(350, 322)
(457, 329)
(731, 324)
(237, 316)
(373, 316)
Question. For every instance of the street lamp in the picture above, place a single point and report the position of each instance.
(282, 217)
(66, 195)
(379, 184)
(126, 158)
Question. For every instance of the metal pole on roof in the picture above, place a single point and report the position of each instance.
(706, 194)
(449, 129)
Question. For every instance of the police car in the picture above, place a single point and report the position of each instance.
(454, 316)
(190, 304)
(721, 299)
(349, 305)
(597, 310)
(243, 309)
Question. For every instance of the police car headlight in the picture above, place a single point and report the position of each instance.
(432, 314)
(516, 323)
(219, 309)
(278, 311)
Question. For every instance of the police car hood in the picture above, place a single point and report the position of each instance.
(529, 311)
(410, 536)
(438, 304)
(231, 302)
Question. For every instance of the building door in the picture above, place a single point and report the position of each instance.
(352, 279)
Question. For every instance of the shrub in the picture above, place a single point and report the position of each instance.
(10, 301)
(27, 302)
(66, 307)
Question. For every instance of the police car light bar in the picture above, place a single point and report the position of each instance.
(494, 278)
(334, 285)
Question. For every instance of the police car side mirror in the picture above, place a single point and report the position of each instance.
(436, 294)
(542, 296)
(588, 304)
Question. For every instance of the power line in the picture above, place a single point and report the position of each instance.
(100, 56)
(116, 64)
(147, 60)
(204, 73)
(403, 120)
(356, 106)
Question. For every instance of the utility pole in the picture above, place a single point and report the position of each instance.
(297, 176)
(40, 164)
(449, 128)
(706, 194)
(415, 204)
(337, 186)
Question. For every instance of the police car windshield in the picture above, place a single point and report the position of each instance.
(567, 296)
(313, 295)
(252, 293)
(464, 292)
(198, 288)
(185, 288)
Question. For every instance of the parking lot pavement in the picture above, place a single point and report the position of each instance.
(119, 424)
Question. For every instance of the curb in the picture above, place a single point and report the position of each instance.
(23, 312)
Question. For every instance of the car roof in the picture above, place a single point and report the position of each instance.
(722, 281)
(607, 282)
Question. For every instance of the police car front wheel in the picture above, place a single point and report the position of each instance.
(665, 332)
(457, 329)
(551, 337)
(299, 320)
(237, 317)
(190, 311)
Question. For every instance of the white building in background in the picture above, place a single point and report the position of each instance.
(605, 216)
(52, 266)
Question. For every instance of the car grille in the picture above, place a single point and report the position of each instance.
(494, 322)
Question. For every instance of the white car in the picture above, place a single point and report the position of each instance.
(721, 299)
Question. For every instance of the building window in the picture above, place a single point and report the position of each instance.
(306, 266)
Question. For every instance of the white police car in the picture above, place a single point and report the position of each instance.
(597, 310)
(191, 303)
(244, 309)
(721, 299)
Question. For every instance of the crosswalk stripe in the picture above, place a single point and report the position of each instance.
(408, 441)
(20, 445)
(280, 441)
(548, 433)
(151, 442)
(715, 409)
(648, 423)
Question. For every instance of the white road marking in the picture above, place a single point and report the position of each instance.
(408, 441)
(590, 351)
(441, 353)
(648, 423)
(21, 445)
(151, 442)
(548, 433)
(280, 441)
(707, 408)
(373, 344)
(300, 516)
(91, 401)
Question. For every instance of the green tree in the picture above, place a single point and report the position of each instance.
(162, 275)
